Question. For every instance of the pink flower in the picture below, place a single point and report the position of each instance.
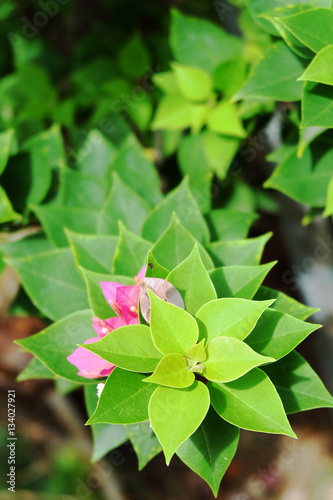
(124, 300)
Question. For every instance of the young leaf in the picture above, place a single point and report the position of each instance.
(52, 282)
(229, 317)
(194, 83)
(106, 437)
(93, 252)
(251, 403)
(128, 347)
(131, 253)
(275, 76)
(298, 385)
(229, 359)
(239, 281)
(197, 42)
(123, 204)
(197, 352)
(239, 252)
(176, 113)
(224, 119)
(276, 333)
(225, 224)
(209, 451)
(173, 329)
(193, 282)
(175, 414)
(219, 151)
(175, 245)
(320, 69)
(172, 371)
(54, 344)
(284, 303)
(181, 202)
(144, 441)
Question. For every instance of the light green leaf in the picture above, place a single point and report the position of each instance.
(230, 76)
(224, 120)
(5, 144)
(197, 352)
(172, 371)
(284, 303)
(7, 213)
(241, 403)
(238, 252)
(275, 76)
(175, 244)
(239, 281)
(131, 253)
(123, 204)
(176, 113)
(194, 83)
(229, 359)
(35, 369)
(193, 282)
(106, 437)
(298, 385)
(220, 151)
(197, 42)
(226, 224)
(229, 317)
(154, 269)
(124, 399)
(54, 344)
(209, 451)
(52, 282)
(55, 219)
(166, 81)
(305, 179)
(173, 329)
(144, 441)
(181, 202)
(276, 333)
(320, 69)
(98, 302)
(329, 200)
(312, 27)
(169, 411)
(93, 252)
(317, 105)
(129, 347)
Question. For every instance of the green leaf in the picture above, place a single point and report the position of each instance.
(230, 76)
(209, 451)
(54, 344)
(32, 244)
(223, 119)
(129, 347)
(98, 302)
(52, 282)
(312, 27)
(93, 252)
(317, 108)
(134, 58)
(276, 333)
(52, 143)
(329, 200)
(7, 213)
(298, 385)
(176, 113)
(220, 151)
(55, 219)
(238, 252)
(251, 403)
(275, 76)
(193, 282)
(154, 269)
(123, 204)
(175, 414)
(229, 317)
(197, 352)
(181, 202)
(166, 81)
(284, 303)
(305, 179)
(320, 69)
(175, 245)
(225, 224)
(194, 83)
(5, 144)
(197, 42)
(131, 253)
(124, 399)
(106, 437)
(95, 156)
(239, 281)
(35, 369)
(144, 441)
(172, 371)
(173, 329)
(229, 359)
